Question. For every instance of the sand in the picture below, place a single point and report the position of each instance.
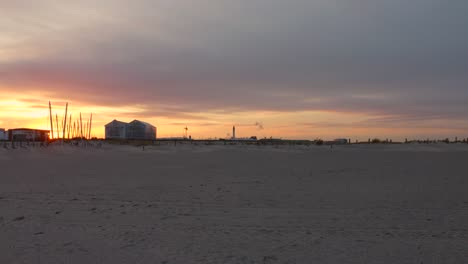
(234, 204)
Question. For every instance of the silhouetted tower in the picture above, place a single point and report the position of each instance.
(233, 132)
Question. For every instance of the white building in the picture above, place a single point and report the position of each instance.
(141, 130)
(133, 130)
(116, 130)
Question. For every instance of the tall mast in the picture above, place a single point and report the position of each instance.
(74, 130)
(51, 123)
(90, 122)
(86, 130)
(69, 125)
(81, 127)
(56, 123)
(65, 121)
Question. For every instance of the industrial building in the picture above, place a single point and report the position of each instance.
(134, 130)
(28, 134)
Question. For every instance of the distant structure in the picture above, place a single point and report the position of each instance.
(341, 141)
(28, 134)
(3, 134)
(134, 130)
(235, 138)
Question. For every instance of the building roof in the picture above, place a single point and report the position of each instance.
(116, 122)
(28, 129)
(144, 123)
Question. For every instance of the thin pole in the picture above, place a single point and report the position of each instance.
(56, 123)
(51, 123)
(81, 127)
(69, 125)
(86, 129)
(65, 121)
(74, 129)
(90, 122)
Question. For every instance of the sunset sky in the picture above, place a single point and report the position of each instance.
(292, 69)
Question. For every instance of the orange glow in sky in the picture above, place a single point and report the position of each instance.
(17, 110)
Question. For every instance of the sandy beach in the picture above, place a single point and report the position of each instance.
(235, 204)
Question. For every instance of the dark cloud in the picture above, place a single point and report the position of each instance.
(386, 57)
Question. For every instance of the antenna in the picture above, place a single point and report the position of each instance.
(186, 129)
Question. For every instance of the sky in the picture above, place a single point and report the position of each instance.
(299, 69)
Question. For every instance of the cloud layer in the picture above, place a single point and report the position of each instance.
(406, 59)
